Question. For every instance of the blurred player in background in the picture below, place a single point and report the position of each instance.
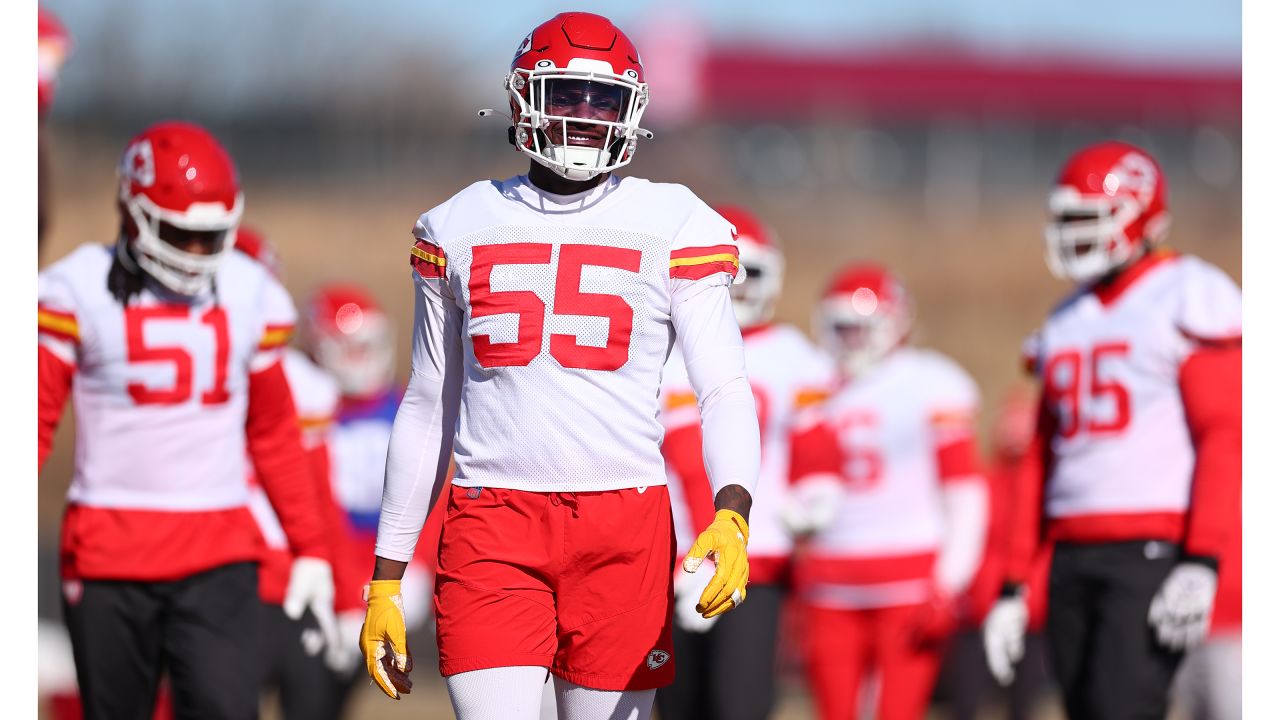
(174, 345)
(345, 331)
(728, 665)
(54, 44)
(966, 684)
(545, 308)
(890, 500)
(1135, 470)
(305, 660)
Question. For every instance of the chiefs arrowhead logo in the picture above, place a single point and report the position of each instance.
(524, 46)
(657, 658)
(138, 164)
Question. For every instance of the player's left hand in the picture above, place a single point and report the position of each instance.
(725, 541)
(1183, 605)
(383, 638)
(311, 588)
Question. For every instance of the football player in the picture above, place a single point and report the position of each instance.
(545, 308)
(1136, 458)
(727, 665)
(345, 331)
(173, 344)
(890, 499)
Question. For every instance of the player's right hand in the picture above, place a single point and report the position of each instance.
(382, 639)
(725, 539)
(1004, 634)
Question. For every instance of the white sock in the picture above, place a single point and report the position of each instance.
(503, 693)
(575, 702)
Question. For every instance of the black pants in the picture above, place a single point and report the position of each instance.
(291, 657)
(966, 687)
(202, 629)
(1103, 651)
(727, 673)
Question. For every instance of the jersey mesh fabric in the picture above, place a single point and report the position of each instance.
(594, 428)
(581, 429)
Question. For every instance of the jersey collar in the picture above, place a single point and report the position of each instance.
(1108, 293)
(536, 197)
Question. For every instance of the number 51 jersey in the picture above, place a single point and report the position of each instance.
(568, 310)
(160, 393)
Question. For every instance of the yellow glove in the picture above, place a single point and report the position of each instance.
(382, 638)
(725, 540)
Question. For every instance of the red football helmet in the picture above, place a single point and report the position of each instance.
(863, 316)
(755, 298)
(179, 190)
(577, 94)
(54, 44)
(1107, 207)
(347, 333)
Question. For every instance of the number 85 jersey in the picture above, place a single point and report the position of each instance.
(1119, 412)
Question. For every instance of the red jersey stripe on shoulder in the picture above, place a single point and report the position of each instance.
(697, 252)
(275, 336)
(695, 263)
(58, 324)
(697, 272)
(427, 259)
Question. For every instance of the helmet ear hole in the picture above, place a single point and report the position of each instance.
(511, 135)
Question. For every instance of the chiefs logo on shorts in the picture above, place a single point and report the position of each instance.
(657, 658)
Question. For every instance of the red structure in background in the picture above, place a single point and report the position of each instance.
(910, 84)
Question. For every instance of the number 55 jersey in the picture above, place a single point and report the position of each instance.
(1119, 447)
(170, 393)
(560, 312)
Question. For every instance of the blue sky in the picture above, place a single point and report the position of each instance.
(256, 48)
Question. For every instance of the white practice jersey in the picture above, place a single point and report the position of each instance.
(1110, 372)
(787, 372)
(160, 392)
(566, 311)
(890, 424)
(559, 313)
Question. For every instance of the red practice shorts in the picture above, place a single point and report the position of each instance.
(580, 583)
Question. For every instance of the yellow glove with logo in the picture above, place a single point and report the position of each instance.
(382, 639)
(725, 541)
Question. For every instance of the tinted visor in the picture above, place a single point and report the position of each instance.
(588, 99)
(196, 242)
